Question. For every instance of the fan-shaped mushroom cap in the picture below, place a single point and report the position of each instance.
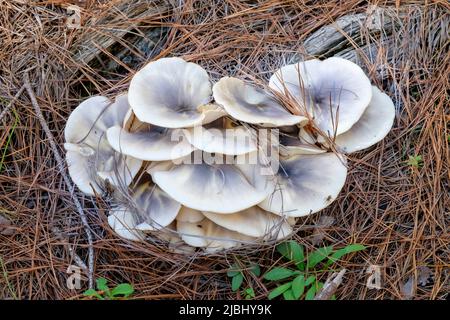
(253, 222)
(332, 90)
(253, 105)
(218, 188)
(207, 234)
(123, 222)
(168, 93)
(88, 122)
(89, 156)
(307, 184)
(373, 126)
(157, 144)
(152, 207)
(234, 141)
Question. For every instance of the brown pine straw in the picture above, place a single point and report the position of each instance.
(400, 213)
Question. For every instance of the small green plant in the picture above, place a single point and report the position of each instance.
(415, 161)
(103, 292)
(237, 278)
(302, 280)
(249, 294)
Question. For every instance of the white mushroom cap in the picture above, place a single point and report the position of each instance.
(216, 188)
(123, 223)
(253, 222)
(234, 141)
(89, 121)
(119, 170)
(157, 144)
(207, 234)
(332, 89)
(190, 215)
(258, 172)
(153, 208)
(193, 233)
(247, 103)
(168, 92)
(80, 171)
(211, 112)
(89, 156)
(291, 146)
(373, 126)
(306, 184)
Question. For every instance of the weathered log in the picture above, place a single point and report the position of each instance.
(333, 38)
(93, 43)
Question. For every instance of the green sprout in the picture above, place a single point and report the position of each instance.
(103, 292)
(415, 161)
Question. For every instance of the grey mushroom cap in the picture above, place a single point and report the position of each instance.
(372, 127)
(247, 103)
(123, 222)
(90, 158)
(210, 236)
(153, 208)
(156, 144)
(253, 222)
(171, 93)
(306, 184)
(204, 187)
(334, 92)
(235, 141)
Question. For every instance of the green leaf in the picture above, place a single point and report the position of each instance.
(310, 280)
(291, 250)
(341, 252)
(319, 286)
(298, 286)
(234, 270)
(124, 289)
(319, 255)
(310, 293)
(102, 284)
(249, 293)
(279, 274)
(256, 270)
(279, 290)
(236, 282)
(92, 293)
(287, 295)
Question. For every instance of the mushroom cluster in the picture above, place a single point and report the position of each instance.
(219, 166)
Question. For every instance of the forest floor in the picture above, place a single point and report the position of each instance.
(398, 209)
